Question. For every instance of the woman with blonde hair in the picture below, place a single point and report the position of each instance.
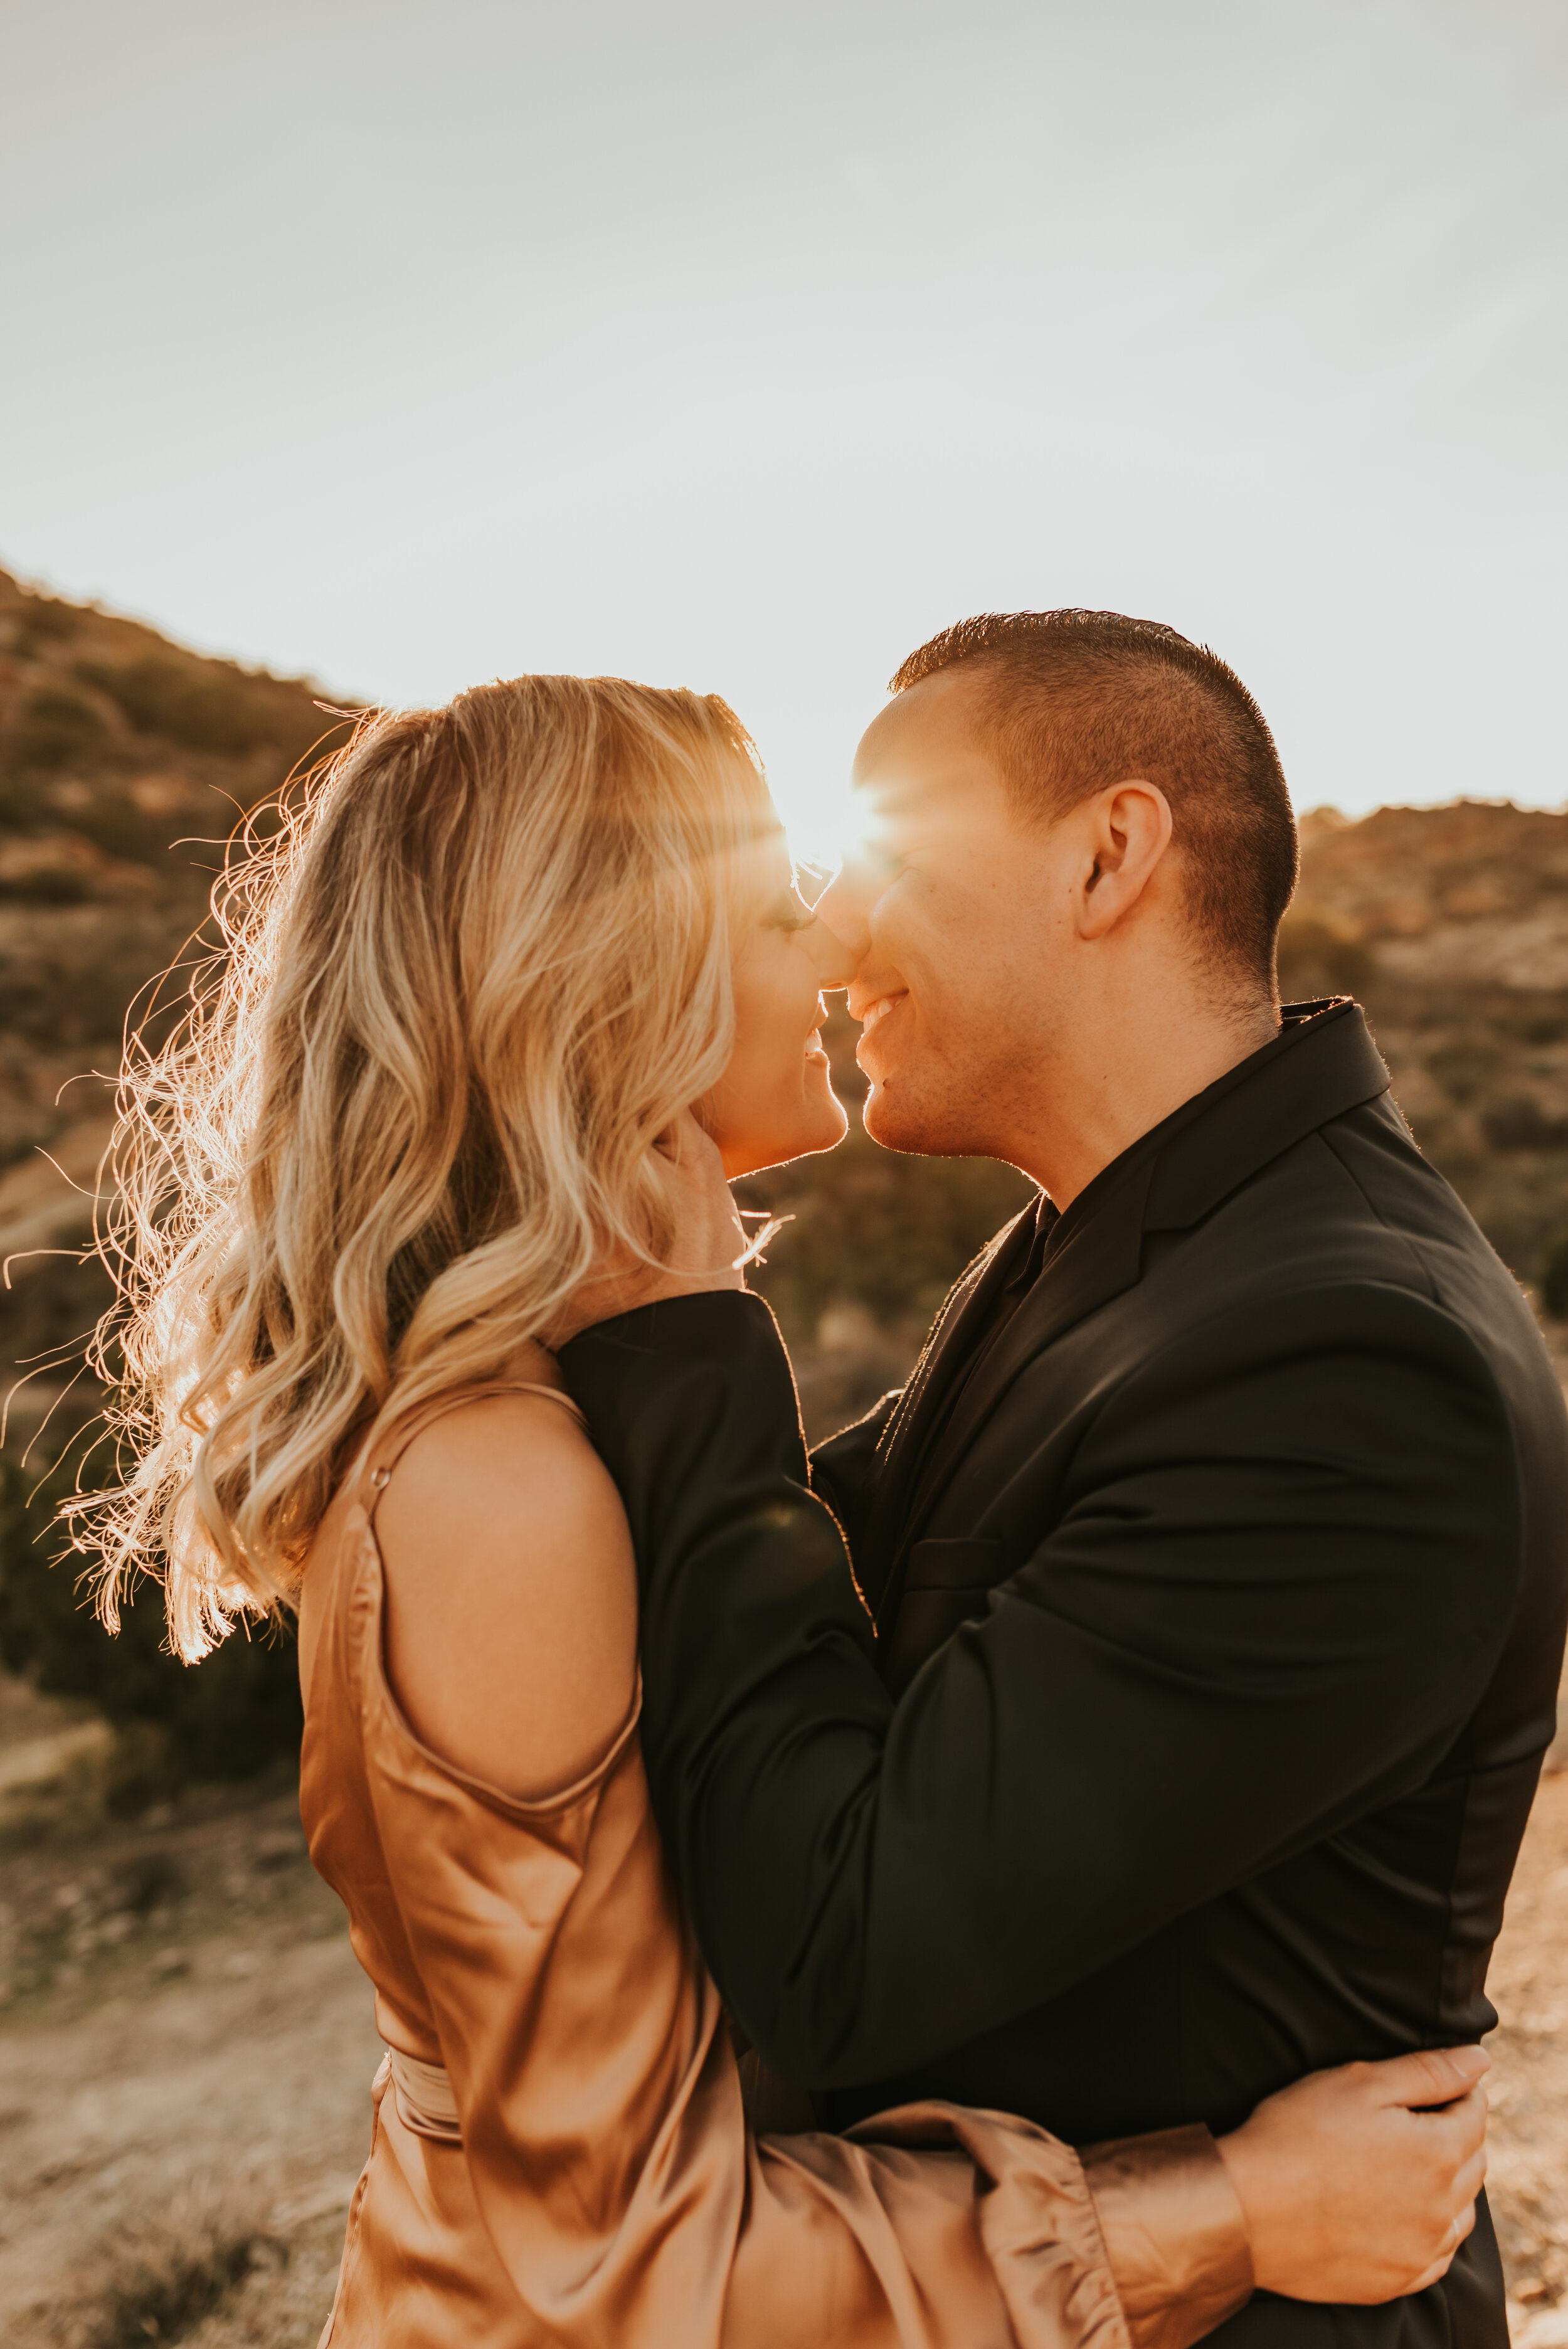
(473, 987)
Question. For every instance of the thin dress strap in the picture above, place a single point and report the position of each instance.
(380, 1459)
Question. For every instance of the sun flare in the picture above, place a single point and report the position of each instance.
(827, 827)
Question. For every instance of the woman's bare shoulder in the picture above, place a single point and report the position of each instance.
(511, 1596)
(481, 1462)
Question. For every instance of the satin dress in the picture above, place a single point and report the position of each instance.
(560, 2155)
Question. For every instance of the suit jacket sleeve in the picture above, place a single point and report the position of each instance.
(844, 1468)
(1277, 1587)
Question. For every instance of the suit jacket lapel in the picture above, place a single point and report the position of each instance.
(955, 1332)
(1094, 1263)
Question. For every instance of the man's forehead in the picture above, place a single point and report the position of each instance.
(920, 747)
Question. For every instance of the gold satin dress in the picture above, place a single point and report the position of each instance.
(560, 2156)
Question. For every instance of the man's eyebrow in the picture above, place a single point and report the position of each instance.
(893, 803)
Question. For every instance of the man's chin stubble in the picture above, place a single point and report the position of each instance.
(933, 1129)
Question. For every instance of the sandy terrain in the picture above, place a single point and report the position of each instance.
(1529, 2087)
(184, 2076)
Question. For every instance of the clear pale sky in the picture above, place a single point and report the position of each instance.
(744, 347)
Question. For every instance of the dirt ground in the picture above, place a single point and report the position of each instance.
(186, 2049)
(1528, 2185)
(185, 2061)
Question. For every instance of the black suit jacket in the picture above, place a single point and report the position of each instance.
(1218, 1625)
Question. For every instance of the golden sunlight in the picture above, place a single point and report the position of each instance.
(828, 825)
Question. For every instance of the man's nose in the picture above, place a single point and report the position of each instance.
(843, 926)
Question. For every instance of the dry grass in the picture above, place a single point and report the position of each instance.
(153, 2278)
(208, 2273)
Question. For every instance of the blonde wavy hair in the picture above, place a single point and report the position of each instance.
(483, 960)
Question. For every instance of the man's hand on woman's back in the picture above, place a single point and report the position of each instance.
(1359, 2184)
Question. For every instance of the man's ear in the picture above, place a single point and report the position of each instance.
(1129, 833)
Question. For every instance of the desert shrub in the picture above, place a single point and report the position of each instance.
(22, 796)
(46, 885)
(123, 830)
(67, 982)
(1521, 1123)
(227, 1717)
(204, 709)
(55, 730)
(214, 707)
(155, 2279)
(1467, 1062)
(1555, 1278)
(1320, 957)
(40, 620)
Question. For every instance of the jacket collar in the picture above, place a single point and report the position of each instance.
(1322, 1064)
(905, 1439)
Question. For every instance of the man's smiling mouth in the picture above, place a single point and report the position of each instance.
(877, 1011)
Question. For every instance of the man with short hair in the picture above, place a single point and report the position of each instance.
(1217, 1550)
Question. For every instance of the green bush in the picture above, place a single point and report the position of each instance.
(227, 1717)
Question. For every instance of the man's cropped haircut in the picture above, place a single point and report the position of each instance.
(1073, 702)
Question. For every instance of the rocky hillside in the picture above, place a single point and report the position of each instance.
(1451, 926)
(125, 761)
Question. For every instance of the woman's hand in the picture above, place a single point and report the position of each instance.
(1359, 2184)
(707, 1238)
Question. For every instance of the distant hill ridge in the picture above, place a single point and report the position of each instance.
(1476, 890)
(125, 761)
(113, 739)
(1450, 925)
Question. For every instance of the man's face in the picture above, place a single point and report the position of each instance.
(959, 917)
